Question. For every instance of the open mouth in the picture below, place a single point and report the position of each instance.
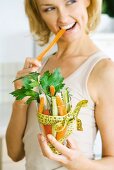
(71, 27)
(67, 28)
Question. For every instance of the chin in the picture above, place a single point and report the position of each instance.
(72, 37)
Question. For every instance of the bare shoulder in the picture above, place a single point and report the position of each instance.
(104, 70)
(102, 78)
(104, 109)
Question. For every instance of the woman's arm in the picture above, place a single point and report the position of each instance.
(104, 112)
(15, 131)
(18, 121)
(103, 94)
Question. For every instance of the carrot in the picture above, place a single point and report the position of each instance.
(41, 105)
(47, 128)
(61, 106)
(59, 34)
(62, 112)
(61, 134)
(52, 90)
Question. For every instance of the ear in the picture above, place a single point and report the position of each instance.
(87, 3)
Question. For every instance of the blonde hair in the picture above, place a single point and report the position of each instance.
(39, 28)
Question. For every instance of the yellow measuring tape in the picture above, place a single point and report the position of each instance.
(59, 123)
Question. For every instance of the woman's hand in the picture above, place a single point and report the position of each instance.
(71, 156)
(30, 65)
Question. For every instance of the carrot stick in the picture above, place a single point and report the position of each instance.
(52, 90)
(47, 128)
(59, 100)
(41, 105)
(59, 34)
(62, 112)
(61, 106)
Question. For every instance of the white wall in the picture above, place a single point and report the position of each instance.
(15, 40)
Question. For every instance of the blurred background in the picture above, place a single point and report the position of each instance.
(16, 43)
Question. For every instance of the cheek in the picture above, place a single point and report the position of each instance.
(81, 12)
(83, 16)
(50, 24)
(87, 3)
(50, 21)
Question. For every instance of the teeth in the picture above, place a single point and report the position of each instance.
(68, 26)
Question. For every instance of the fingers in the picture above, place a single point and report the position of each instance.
(43, 144)
(31, 62)
(25, 72)
(47, 152)
(60, 147)
(72, 143)
(30, 65)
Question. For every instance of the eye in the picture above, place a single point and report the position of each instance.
(71, 2)
(49, 9)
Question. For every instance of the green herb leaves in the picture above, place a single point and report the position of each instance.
(34, 85)
(54, 79)
(29, 83)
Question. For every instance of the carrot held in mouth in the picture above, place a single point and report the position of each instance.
(43, 53)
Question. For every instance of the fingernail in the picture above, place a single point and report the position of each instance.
(50, 137)
(43, 138)
(39, 64)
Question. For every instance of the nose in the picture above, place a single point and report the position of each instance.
(63, 17)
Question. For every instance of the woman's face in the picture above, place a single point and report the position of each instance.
(67, 14)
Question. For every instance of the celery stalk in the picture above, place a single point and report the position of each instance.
(54, 112)
(66, 99)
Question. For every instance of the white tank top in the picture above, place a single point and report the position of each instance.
(77, 82)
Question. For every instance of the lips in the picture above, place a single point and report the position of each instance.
(68, 27)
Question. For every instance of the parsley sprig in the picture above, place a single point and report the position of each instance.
(34, 85)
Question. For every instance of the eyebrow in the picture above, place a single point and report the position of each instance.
(46, 4)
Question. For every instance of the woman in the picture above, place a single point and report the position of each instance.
(88, 73)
